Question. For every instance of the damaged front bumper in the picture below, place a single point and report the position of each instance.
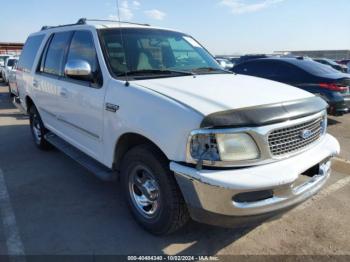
(250, 195)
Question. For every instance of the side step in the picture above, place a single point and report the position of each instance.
(99, 170)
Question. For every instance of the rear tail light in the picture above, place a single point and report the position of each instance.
(334, 87)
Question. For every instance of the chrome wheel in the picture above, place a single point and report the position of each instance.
(144, 191)
(36, 128)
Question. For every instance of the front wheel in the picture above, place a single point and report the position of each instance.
(37, 129)
(151, 191)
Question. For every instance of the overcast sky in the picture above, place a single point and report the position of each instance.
(223, 26)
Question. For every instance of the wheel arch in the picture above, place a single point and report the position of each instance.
(28, 102)
(128, 141)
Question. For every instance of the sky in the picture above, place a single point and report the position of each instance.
(223, 26)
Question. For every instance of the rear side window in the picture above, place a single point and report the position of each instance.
(53, 63)
(316, 68)
(254, 68)
(289, 70)
(82, 48)
(29, 52)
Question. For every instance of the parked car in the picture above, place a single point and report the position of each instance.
(333, 64)
(233, 59)
(321, 80)
(9, 64)
(2, 63)
(13, 91)
(186, 138)
(225, 63)
(346, 63)
(343, 62)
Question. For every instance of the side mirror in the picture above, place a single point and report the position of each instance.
(78, 69)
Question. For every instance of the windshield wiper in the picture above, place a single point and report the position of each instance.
(154, 72)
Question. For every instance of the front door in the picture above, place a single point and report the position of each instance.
(81, 101)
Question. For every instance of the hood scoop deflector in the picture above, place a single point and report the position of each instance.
(265, 114)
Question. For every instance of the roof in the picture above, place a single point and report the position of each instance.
(83, 23)
(291, 60)
(6, 44)
(101, 24)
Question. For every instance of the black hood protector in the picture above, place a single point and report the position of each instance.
(265, 114)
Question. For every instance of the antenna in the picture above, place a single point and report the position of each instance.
(122, 40)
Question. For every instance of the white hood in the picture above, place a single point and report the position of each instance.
(218, 92)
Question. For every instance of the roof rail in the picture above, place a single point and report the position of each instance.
(113, 21)
(83, 21)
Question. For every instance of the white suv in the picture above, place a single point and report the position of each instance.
(10, 63)
(186, 138)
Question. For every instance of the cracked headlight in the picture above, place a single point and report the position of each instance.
(224, 147)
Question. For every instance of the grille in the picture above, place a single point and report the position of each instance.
(291, 140)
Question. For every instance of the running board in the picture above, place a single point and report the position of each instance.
(99, 170)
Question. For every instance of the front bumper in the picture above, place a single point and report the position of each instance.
(212, 192)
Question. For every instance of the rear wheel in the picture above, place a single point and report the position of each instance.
(37, 129)
(151, 191)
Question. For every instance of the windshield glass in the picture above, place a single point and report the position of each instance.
(2, 60)
(145, 52)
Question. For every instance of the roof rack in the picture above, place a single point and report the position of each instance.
(83, 21)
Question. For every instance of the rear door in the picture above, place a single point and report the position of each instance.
(289, 74)
(47, 84)
(81, 102)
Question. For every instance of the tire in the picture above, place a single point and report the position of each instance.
(151, 191)
(37, 129)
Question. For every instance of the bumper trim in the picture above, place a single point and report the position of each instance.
(214, 190)
(287, 196)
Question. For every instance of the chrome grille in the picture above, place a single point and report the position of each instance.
(291, 139)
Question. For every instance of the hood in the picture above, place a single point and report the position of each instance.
(220, 92)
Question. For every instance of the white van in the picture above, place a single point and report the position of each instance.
(152, 107)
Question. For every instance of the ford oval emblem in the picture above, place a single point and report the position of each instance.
(305, 134)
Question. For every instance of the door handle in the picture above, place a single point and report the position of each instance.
(35, 83)
(63, 92)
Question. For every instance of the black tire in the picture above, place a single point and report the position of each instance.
(37, 129)
(171, 213)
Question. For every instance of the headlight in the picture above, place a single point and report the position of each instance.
(236, 147)
(223, 147)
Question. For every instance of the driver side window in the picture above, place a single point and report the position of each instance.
(82, 48)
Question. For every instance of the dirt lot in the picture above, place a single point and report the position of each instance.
(58, 207)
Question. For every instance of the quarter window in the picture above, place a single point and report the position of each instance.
(29, 52)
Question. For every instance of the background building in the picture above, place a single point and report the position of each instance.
(11, 48)
(331, 54)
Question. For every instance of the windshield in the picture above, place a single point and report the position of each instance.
(149, 52)
(2, 60)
